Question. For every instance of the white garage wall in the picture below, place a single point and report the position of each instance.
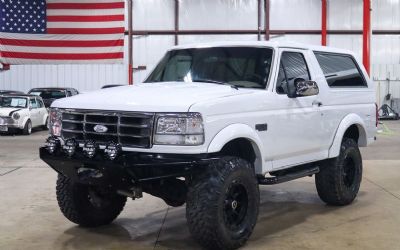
(295, 14)
(147, 50)
(345, 14)
(153, 14)
(82, 77)
(218, 15)
(227, 15)
(386, 14)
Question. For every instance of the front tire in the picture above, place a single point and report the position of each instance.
(27, 130)
(339, 180)
(87, 206)
(222, 204)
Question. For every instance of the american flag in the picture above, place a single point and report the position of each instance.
(61, 31)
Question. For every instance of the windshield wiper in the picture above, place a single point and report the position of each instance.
(210, 81)
(214, 81)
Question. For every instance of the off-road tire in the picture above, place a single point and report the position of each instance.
(339, 179)
(73, 200)
(27, 130)
(206, 203)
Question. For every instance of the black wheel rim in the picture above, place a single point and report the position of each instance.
(349, 172)
(235, 207)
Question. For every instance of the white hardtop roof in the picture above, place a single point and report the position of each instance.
(272, 44)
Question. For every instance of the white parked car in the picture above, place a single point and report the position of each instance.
(209, 125)
(22, 112)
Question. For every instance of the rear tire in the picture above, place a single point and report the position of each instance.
(222, 204)
(87, 206)
(339, 180)
(27, 130)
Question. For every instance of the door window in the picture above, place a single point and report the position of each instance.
(293, 66)
(40, 103)
(33, 103)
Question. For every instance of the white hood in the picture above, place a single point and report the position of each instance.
(150, 97)
(7, 111)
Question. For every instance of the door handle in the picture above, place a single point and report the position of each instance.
(317, 103)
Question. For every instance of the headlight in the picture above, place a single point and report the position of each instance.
(55, 122)
(179, 129)
(16, 116)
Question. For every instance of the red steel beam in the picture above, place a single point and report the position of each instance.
(367, 34)
(324, 22)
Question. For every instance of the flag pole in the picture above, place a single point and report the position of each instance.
(130, 43)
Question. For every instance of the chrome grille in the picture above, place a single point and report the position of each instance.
(130, 129)
(6, 120)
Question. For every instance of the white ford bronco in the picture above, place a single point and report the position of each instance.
(209, 125)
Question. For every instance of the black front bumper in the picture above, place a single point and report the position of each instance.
(129, 169)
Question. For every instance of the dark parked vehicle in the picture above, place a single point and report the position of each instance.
(111, 86)
(11, 92)
(49, 95)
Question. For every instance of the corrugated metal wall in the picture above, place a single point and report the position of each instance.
(228, 15)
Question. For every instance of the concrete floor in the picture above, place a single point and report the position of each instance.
(291, 214)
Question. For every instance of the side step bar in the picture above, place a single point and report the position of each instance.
(288, 177)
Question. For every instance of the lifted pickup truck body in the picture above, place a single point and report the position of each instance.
(228, 109)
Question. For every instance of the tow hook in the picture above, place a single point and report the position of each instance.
(86, 174)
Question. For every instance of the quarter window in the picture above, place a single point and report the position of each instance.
(293, 66)
(340, 70)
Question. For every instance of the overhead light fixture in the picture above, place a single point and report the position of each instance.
(89, 149)
(69, 147)
(112, 150)
(52, 144)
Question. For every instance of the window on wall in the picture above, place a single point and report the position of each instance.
(293, 66)
(340, 70)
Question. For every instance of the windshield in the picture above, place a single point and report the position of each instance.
(49, 94)
(245, 67)
(13, 102)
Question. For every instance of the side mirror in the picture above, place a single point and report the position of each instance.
(302, 88)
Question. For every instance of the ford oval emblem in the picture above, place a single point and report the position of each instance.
(100, 129)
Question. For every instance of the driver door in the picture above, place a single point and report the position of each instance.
(34, 112)
(42, 111)
(297, 121)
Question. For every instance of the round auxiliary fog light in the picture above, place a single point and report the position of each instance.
(52, 144)
(89, 149)
(112, 150)
(70, 147)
